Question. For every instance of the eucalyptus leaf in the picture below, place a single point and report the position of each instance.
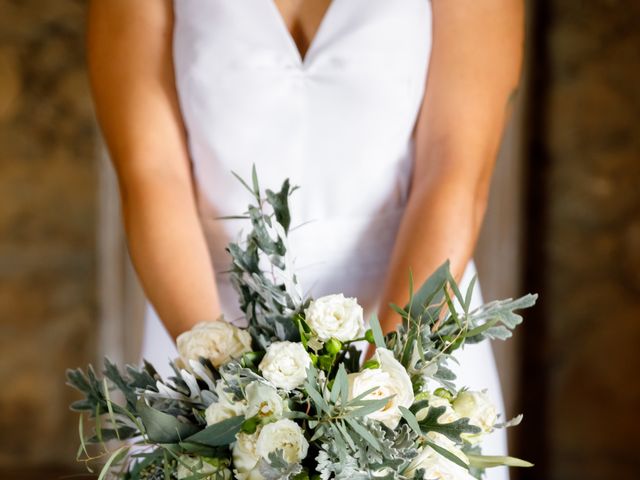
(363, 432)
(411, 419)
(448, 455)
(376, 329)
(429, 292)
(488, 461)
(161, 427)
(218, 434)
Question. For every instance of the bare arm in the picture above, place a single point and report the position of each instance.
(131, 70)
(474, 70)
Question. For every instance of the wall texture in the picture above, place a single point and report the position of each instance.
(48, 200)
(582, 393)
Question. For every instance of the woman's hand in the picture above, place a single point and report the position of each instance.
(131, 70)
(473, 73)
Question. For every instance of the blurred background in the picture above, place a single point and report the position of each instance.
(564, 221)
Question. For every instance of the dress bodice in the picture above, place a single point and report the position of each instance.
(337, 122)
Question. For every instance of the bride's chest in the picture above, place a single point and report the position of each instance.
(225, 38)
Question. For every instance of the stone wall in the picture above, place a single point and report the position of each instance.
(48, 186)
(582, 396)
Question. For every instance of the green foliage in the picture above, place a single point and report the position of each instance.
(489, 461)
(219, 434)
(438, 320)
(167, 416)
(236, 378)
(154, 410)
(386, 458)
(262, 271)
(185, 391)
(351, 445)
(111, 420)
(277, 468)
(161, 427)
(430, 423)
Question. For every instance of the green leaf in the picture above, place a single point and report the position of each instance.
(83, 446)
(481, 328)
(337, 385)
(320, 402)
(342, 379)
(364, 433)
(161, 427)
(110, 407)
(447, 454)
(400, 311)
(452, 430)
(456, 290)
(343, 430)
(198, 449)
(245, 184)
(218, 434)
(374, 324)
(369, 406)
(469, 295)
(431, 291)
(339, 443)
(280, 203)
(411, 419)
(359, 400)
(488, 461)
(113, 460)
(254, 179)
(276, 467)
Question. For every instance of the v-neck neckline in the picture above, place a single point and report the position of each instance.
(281, 24)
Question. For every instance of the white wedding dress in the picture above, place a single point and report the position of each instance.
(337, 122)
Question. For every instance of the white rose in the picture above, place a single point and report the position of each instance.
(390, 380)
(437, 467)
(285, 365)
(225, 407)
(263, 400)
(283, 435)
(335, 316)
(245, 457)
(188, 467)
(477, 406)
(217, 341)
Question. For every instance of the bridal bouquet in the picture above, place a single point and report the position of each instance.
(288, 397)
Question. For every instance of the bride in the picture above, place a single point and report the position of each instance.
(387, 113)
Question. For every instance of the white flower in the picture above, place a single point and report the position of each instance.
(188, 467)
(390, 380)
(437, 467)
(477, 406)
(335, 316)
(225, 407)
(283, 435)
(263, 400)
(245, 458)
(285, 365)
(217, 341)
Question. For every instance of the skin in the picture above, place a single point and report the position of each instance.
(474, 69)
(473, 73)
(131, 72)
